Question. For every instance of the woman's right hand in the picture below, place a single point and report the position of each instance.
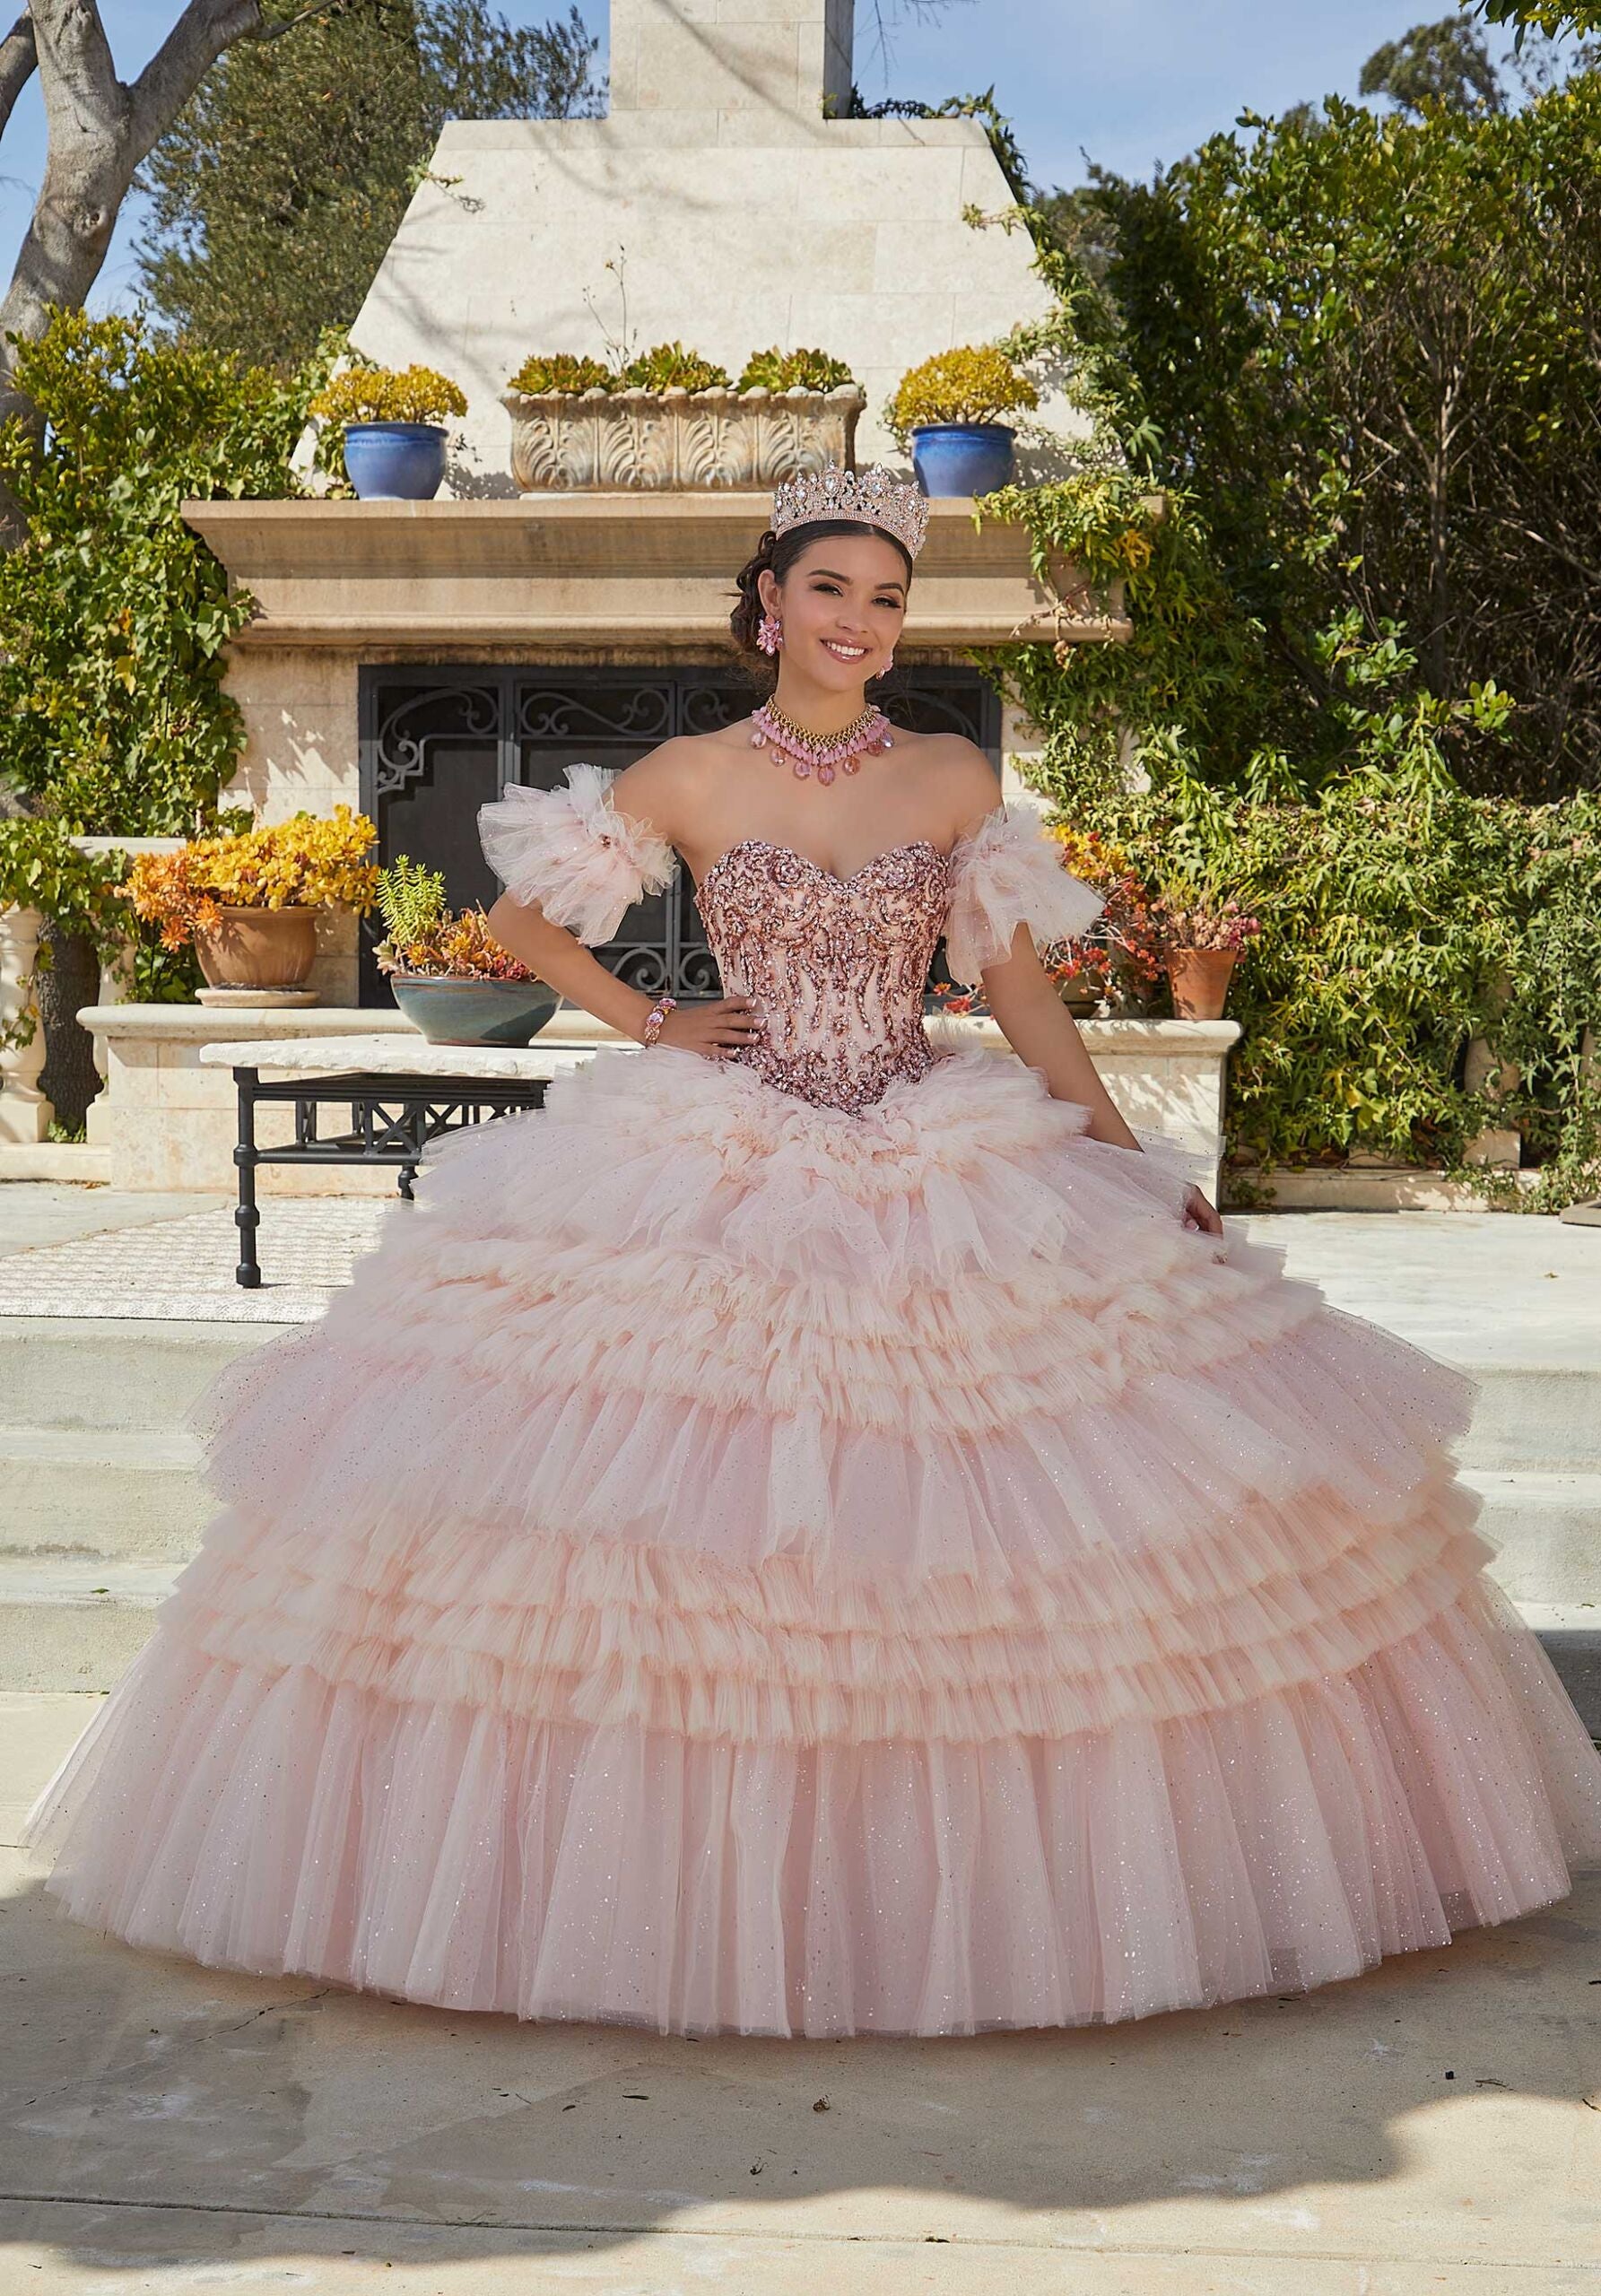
(715, 1030)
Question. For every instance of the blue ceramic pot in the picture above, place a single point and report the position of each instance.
(473, 1012)
(963, 457)
(394, 462)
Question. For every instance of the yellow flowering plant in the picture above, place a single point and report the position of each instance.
(975, 383)
(388, 395)
(303, 863)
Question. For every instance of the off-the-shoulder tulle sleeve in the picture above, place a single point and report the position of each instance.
(571, 851)
(1006, 873)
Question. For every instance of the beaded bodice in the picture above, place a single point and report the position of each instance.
(837, 964)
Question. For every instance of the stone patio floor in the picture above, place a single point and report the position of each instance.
(1432, 2125)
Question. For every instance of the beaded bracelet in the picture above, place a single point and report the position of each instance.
(655, 1018)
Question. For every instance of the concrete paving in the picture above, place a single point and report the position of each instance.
(1434, 2126)
(36, 1212)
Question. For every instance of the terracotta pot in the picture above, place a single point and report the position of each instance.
(1200, 982)
(258, 948)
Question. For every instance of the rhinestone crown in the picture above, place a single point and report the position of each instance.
(874, 495)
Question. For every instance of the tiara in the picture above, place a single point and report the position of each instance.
(874, 495)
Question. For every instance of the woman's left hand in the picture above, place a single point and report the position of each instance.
(1199, 1212)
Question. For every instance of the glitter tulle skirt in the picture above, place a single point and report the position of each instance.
(730, 1565)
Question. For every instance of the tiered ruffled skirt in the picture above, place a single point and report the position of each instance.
(731, 1565)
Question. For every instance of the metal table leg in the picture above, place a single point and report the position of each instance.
(246, 1217)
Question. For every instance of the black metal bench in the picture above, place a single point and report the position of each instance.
(392, 1120)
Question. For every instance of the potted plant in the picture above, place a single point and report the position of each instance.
(670, 417)
(451, 978)
(248, 900)
(1200, 940)
(1117, 964)
(947, 409)
(394, 439)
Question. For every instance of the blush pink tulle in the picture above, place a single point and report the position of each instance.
(726, 1565)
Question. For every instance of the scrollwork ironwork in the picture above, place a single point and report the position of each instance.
(399, 754)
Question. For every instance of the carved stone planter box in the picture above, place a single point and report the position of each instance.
(678, 438)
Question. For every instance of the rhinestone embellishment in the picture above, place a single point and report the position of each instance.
(837, 964)
(822, 755)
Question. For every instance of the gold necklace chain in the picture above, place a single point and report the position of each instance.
(820, 744)
(822, 755)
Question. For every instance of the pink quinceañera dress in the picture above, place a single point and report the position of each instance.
(813, 1544)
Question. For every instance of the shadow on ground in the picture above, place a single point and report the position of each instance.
(167, 2127)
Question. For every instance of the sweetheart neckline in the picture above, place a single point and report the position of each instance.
(891, 853)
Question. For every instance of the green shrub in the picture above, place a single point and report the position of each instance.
(790, 370)
(387, 395)
(560, 370)
(974, 383)
(670, 366)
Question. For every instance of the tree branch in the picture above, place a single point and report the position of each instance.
(201, 33)
(19, 59)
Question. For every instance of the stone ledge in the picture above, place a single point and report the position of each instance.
(78, 1161)
(1369, 1187)
(167, 1116)
(631, 571)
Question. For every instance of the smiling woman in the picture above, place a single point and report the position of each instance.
(816, 1531)
(875, 567)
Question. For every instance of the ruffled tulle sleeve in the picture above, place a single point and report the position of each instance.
(1006, 873)
(570, 850)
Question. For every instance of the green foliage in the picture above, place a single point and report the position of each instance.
(560, 370)
(410, 898)
(371, 394)
(1402, 918)
(1194, 665)
(671, 366)
(668, 366)
(1552, 17)
(1444, 63)
(113, 613)
(1256, 336)
(792, 371)
(41, 869)
(1367, 349)
(274, 198)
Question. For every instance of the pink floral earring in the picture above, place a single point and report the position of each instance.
(770, 636)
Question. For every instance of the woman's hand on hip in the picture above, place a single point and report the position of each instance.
(716, 1030)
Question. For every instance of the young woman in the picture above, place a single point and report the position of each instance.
(815, 1531)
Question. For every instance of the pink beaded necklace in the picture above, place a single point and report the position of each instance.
(820, 753)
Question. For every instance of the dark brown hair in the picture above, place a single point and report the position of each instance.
(778, 554)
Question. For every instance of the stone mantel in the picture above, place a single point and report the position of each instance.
(633, 572)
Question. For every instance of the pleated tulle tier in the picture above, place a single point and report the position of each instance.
(728, 1563)
(276, 1822)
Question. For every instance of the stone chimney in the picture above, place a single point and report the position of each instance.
(750, 58)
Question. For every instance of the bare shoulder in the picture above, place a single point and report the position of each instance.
(960, 780)
(668, 785)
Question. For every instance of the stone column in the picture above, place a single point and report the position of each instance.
(740, 57)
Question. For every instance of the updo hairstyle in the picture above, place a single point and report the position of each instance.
(777, 553)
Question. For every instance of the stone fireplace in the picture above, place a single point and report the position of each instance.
(716, 204)
(410, 659)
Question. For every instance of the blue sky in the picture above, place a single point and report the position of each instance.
(1129, 85)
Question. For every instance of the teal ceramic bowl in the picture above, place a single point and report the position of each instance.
(475, 1012)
